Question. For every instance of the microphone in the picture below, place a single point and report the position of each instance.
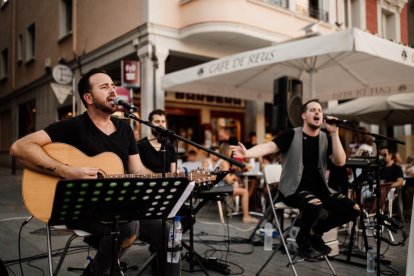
(333, 121)
(126, 105)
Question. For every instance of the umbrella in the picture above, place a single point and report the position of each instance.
(340, 65)
(397, 109)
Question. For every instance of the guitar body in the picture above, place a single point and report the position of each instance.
(38, 189)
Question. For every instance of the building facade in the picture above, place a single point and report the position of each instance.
(41, 37)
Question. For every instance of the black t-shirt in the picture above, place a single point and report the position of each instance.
(152, 158)
(391, 173)
(311, 178)
(82, 133)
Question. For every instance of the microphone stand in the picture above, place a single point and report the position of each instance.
(378, 139)
(163, 135)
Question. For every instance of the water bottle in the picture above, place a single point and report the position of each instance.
(370, 260)
(268, 237)
(88, 261)
(174, 241)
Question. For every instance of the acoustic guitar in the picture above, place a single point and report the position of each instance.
(38, 189)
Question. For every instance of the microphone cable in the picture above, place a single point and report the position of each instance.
(19, 244)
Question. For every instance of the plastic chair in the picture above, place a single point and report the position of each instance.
(272, 173)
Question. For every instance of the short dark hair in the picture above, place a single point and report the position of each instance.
(84, 85)
(305, 105)
(156, 112)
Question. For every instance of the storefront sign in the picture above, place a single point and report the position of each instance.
(203, 99)
(130, 71)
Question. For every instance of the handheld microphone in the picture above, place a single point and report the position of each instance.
(333, 121)
(126, 105)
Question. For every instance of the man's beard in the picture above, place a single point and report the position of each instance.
(104, 108)
(154, 132)
(314, 127)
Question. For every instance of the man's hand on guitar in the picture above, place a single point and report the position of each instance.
(81, 172)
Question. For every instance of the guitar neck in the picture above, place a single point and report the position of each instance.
(150, 175)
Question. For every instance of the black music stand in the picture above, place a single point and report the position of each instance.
(115, 201)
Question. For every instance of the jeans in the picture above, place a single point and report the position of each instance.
(340, 208)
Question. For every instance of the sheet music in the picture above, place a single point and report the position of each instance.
(182, 199)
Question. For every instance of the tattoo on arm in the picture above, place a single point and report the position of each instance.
(49, 170)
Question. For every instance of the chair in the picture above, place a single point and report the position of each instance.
(83, 234)
(75, 234)
(272, 173)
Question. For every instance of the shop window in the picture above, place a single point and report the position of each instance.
(5, 131)
(27, 118)
(65, 112)
(226, 126)
(186, 123)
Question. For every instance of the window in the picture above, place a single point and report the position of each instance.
(388, 25)
(312, 8)
(353, 14)
(4, 60)
(30, 42)
(20, 48)
(65, 23)
(280, 3)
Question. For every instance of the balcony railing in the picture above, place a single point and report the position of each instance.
(306, 10)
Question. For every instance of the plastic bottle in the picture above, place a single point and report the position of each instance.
(268, 237)
(174, 241)
(370, 260)
(88, 261)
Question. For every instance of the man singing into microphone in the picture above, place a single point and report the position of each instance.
(93, 132)
(305, 151)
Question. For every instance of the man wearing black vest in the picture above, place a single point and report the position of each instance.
(305, 151)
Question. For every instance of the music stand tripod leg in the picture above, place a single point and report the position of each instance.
(115, 244)
(191, 253)
(49, 249)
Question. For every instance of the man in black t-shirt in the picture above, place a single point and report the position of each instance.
(150, 147)
(391, 175)
(304, 152)
(152, 156)
(92, 132)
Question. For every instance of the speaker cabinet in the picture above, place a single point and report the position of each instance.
(287, 103)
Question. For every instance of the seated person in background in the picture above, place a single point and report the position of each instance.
(391, 176)
(192, 163)
(232, 179)
(153, 159)
(252, 140)
(212, 161)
